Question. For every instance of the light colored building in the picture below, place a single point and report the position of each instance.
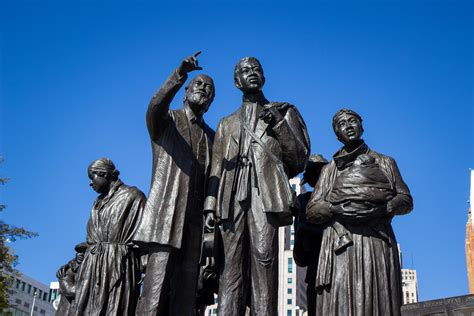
(291, 284)
(470, 238)
(409, 286)
(27, 295)
(409, 282)
(54, 294)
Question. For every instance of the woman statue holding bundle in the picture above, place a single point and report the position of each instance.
(356, 197)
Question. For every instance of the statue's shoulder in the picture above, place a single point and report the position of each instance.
(231, 118)
(174, 113)
(132, 191)
(379, 157)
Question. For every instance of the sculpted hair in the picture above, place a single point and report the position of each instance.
(106, 167)
(241, 61)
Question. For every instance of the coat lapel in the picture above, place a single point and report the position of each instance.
(261, 128)
(182, 124)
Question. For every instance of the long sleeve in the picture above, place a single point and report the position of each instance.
(402, 202)
(216, 169)
(293, 137)
(66, 284)
(318, 209)
(157, 114)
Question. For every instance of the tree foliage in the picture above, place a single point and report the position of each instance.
(8, 259)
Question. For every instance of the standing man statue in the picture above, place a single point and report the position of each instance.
(256, 150)
(356, 197)
(171, 227)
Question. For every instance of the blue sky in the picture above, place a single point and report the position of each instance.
(76, 78)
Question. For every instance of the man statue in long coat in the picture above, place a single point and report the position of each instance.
(172, 224)
(256, 150)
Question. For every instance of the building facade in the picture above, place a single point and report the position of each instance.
(470, 239)
(409, 286)
(28, 297)
(409, 282)
(291, 284)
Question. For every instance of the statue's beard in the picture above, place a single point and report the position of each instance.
(198, 101)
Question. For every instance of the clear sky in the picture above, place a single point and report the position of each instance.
(77, 76)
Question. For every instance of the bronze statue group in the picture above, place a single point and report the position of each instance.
(210, 221)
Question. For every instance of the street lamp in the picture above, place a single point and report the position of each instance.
(33, 306)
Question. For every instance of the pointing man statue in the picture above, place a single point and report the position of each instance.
(171, 227)
(256, 150)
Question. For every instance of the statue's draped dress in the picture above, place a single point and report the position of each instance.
(108, 278)
(364, 278)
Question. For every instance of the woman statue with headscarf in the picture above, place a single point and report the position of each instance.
(356, 197)
(108, 277)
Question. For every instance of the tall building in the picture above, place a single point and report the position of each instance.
(409, 286)
(470, 238)
(409, 282)
(28, 297)
(291, 284)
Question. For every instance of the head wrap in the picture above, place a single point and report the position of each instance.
(104, 165)
(339, 113)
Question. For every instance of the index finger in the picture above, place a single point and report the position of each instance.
(197, 53)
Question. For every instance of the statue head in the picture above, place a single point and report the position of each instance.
(102, 173)
(80, 251)
(314, 165)
(199, 94)
(248, 75)
(347, 125)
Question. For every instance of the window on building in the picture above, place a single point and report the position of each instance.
(18, 282)
(288, 312)
(18, 301)
(29, 288)
(45, 296)
(290, 291)
(42, 311)
(289, 301)
(23, 284)
(27, 305)
(290, 265)
(293, 186)
(290, 280)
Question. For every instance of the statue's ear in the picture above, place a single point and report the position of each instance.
(237, 83)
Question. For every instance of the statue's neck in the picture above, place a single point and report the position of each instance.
(254, 97)
(352, 146)
(197, 114)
